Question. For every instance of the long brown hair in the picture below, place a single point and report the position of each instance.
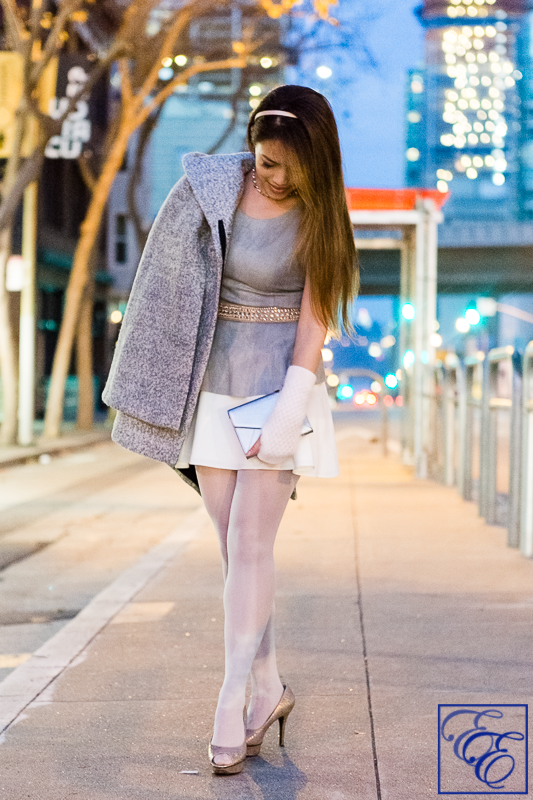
(325, 247)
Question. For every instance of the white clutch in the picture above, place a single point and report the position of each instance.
(249, 418)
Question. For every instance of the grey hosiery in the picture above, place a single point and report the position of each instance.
(246, 508)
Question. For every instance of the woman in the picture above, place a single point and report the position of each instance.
(250, 261)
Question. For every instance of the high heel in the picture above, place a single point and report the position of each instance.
(237, 755)
(254, 738)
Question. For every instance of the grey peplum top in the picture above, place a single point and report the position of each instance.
(251, 358)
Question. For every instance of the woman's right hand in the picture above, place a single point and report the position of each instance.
(254, 449)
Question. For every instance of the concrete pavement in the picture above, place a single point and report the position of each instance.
(393, 597)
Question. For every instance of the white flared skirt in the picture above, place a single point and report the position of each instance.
(212, 441)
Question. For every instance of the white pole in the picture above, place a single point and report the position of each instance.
(419, 329)
(26, 411)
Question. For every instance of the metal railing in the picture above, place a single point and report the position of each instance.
(492, 405)
(453, 380)
(446, 442)
(479, 392)
(470, 408)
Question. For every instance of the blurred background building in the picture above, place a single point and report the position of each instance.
(469, 131)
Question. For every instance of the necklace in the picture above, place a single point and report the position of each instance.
(254, 181)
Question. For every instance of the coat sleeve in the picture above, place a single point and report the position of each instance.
(153, 360)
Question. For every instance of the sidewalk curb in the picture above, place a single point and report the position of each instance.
(26, 682)
(18, 454)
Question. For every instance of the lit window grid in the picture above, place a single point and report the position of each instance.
(476, 59)
(470, 10)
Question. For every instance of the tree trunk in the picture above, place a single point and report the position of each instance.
(8, 351)
(79, 276)
(8, 362)
(84, 361)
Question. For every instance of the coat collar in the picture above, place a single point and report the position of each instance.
(217, 183)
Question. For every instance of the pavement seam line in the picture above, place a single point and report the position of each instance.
(24, 685)
(363, 641)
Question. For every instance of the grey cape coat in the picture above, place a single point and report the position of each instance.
(168, 328)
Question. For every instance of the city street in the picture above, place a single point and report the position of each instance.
(393, 596)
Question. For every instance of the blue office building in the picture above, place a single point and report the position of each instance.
(470, 110)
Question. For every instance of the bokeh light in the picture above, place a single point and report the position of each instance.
(408, 358)
(472, 316)
(408, 311)
(345, 391)
(462, 325)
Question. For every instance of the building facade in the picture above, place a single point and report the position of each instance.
(470, 133)
(470, 115)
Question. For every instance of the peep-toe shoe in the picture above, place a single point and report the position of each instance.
(254, 738)
(237, 755)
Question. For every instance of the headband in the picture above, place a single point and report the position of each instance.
(275, 113)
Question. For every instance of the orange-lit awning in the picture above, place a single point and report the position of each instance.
(392, 199)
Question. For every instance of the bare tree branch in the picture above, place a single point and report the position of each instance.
(29, 171)
(35, 20)
(166, 50)
(87, 174)
(145, 132)
(125, 80)
(13, 21)
(53, 40)
(53, 126)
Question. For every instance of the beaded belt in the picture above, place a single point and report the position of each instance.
(257, 313)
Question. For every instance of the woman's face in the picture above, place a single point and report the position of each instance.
(272, 169)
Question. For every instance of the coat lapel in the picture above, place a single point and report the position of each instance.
(217, 183)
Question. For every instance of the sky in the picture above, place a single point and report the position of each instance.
(369, 100)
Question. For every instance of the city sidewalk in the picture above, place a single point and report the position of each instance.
(393, 597)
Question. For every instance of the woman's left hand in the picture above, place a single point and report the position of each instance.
(254, 449)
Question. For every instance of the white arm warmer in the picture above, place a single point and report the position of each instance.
(281, 432)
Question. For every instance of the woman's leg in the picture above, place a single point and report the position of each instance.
(218, 486)
(259, 500)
